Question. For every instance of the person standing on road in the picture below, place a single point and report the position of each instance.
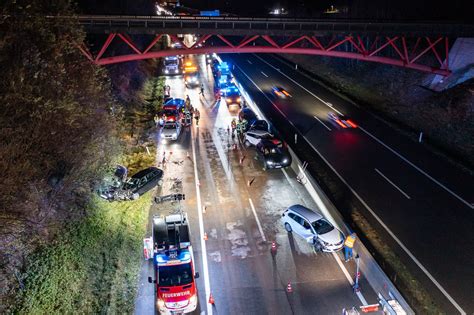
(202, 90)
(197, 116)
(233, 125)
(239, 128)
(188, 101)
(349, 245)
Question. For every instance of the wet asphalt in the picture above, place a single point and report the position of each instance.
(426, 202)
(245, 275)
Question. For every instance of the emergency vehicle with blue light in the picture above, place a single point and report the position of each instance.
(173, 261)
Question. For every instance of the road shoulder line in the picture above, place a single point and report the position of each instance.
(205, 267)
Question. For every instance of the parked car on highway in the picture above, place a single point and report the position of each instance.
(253, 137)
(143, 181)
(280, 92)
(171, 130)
(273, 153)
(313, 227)
(341, 120)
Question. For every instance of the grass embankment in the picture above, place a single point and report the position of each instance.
(94, 266)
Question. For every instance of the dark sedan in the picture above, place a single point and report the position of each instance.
(143, 181)
(273, 153)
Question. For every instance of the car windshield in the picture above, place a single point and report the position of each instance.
(111, 181)
(322, 226)
(131, 183)
(175, 275)
(169, 112)
(171, 62)
(169, 126)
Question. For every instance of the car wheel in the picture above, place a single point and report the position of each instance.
(288, 228)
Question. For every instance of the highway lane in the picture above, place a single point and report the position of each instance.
(430, 215)
(241, 221)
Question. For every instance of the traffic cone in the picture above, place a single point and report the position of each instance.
(205, 236)
(274, 246)
(289, 289)
(211, 299)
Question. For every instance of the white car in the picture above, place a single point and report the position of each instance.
(313, 227)
(171, 130)
(253, 137)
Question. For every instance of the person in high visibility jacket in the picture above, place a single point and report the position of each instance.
(348, 245)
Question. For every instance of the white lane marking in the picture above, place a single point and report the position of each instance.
(407, 251)
(249, 61)
(263, 74)
(258, 221)
(205, 267)
(322, 123)
(292, 80)
(393, 184)
(418, 169)
(378, 140)
(349, 278)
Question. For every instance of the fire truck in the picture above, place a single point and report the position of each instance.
(173, 110)
(173, 262)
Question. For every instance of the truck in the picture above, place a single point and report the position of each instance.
(191, 74)
(173, 264)
(172, 65)
(173, 110)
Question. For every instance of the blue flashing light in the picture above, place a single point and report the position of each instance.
(175, 102)
(173, 257)
(160, 259)
(185, 256)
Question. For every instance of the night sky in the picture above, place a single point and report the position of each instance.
(460, 10)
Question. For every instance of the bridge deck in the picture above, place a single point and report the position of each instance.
(267, 26)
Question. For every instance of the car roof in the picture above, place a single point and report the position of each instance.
(145, 171)
(305, 212)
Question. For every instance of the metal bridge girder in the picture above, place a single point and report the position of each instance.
(344, 47)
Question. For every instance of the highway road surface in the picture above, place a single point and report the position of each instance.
(422, 204)
(236, 263)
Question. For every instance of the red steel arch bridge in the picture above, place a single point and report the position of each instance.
(423, 46)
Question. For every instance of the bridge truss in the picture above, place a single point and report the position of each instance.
(427, 54)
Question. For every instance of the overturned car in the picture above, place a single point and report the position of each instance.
(117, 187)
